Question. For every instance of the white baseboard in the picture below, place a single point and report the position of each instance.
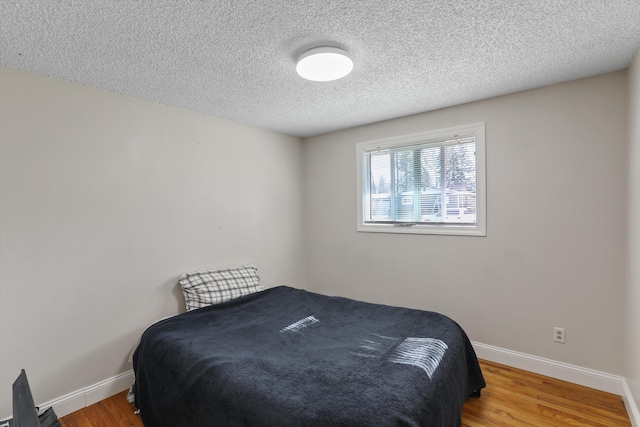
(630, 404)
(84, 397)
(551, 368)
(575, 374)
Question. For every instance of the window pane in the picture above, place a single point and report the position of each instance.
(445, 171)
(380, 184)
(431, 161)
(404, 180)
(460, 182)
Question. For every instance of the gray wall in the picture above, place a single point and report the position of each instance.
(105, 201)
(632, 335)
(554, 254)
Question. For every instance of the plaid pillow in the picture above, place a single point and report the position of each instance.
(203, 288)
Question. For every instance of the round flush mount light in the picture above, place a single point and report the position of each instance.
(323, 64)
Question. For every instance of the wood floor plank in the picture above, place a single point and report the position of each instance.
(547, 401)
(512, 398)
(126, 408)
(100, 416)
(77, 419)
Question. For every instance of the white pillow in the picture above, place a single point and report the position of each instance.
(203, 288)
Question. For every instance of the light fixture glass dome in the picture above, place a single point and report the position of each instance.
(323, 64)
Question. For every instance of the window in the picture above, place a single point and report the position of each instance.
(430, 183)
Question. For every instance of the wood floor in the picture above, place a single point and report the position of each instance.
(512, 398)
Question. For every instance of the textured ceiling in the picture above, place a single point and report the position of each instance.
(236, 59)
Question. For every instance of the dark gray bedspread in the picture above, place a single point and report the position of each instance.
(288, 357)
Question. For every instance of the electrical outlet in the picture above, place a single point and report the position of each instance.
(558, 335)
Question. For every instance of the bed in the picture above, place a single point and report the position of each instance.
(289, 357)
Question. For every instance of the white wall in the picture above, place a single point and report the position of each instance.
(104, 201)
(632, 336)
(554, 254)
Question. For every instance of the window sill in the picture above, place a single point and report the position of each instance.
(450, 230)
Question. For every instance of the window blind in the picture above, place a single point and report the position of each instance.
(424, 183)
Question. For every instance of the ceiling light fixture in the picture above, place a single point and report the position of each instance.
(323, 64)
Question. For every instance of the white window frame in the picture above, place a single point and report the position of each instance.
(478, 229)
